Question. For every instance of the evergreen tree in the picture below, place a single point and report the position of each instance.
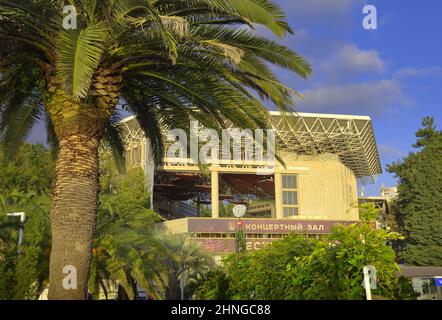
(419, 206)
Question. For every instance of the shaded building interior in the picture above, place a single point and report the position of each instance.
(178, 194)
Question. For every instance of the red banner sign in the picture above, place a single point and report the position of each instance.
(262, 226)
(228, 245)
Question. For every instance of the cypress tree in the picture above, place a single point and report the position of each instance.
(419, 204)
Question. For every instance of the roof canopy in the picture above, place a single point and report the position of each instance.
(349, 137)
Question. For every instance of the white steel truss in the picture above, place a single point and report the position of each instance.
(349, 137)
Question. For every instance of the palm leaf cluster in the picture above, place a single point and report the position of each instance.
(182, 263)
(130, 254)
(164, 61)
(124, 254)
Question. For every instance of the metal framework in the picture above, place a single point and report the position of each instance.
(133, 134)
(349, 137)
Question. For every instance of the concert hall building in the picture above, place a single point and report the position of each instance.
(315, 186)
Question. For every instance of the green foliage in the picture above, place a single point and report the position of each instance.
(24, 275)
(25, 183)
(303, 268)
(127, 249)
(241, 244)
(181, 259)
(31, 171)
(7, 275)
(168, 62)
(368, 212)
(259, 274)
(122, 234)
(418, 209)
(334, 269)
(124, 249)
(212, 285)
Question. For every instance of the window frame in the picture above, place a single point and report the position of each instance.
(295, 190)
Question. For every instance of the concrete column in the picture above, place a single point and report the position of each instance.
(278, 196)
(215, 193)
(142, 153)
(149, 170)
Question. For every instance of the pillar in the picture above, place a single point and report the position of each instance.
(215, 193)
(278, 196)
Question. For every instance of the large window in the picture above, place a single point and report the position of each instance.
(136, 155)
(290, 195)
(133, 156)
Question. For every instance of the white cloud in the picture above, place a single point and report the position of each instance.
(351, 61)
(372, 98)
(417, 72)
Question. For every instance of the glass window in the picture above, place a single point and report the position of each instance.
(289, 182)
(290, 195)
(137, 154)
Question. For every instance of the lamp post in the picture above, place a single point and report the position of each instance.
(369, 281)
(182, 282)
(22, 217)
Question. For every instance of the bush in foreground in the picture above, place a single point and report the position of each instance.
(302, 268)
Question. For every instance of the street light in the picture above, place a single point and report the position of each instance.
(22, 216)
(369, 281)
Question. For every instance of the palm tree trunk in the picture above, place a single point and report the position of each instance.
(73, 214)
(173, 288)
(79, 127)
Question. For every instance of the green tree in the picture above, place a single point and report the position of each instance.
(183, 262)
(334, 269)
(124, 249)
(368, 212)
(25, 183)
(259, 274)
(24, 275)
(165, 61)
(31, 170)
(418, 209)
(212, 285)
(302, 268)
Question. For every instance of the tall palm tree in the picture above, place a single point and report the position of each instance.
(164, 61)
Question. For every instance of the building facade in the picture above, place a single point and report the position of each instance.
(313, 185)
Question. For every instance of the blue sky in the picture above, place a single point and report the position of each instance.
(393, 74)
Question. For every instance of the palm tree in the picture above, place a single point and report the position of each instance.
(165, 61)
(125, 256)
(125, 252)
(183, 260)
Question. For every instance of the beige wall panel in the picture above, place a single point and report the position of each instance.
(327, 190)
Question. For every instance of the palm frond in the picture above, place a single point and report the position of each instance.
(113, 138)
(80, 53)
